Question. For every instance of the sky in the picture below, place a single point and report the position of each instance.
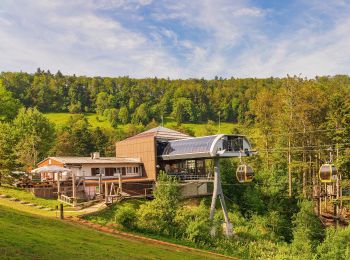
(176, 39)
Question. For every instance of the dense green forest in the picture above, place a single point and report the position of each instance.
(294, 123)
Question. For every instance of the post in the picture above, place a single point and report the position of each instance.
(74, 195)
(120, 183)
(106, 192)
(218, 193)
(99, 182)
(58, 185)
(61, 211)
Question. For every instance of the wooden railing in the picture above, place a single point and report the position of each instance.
(66, 199)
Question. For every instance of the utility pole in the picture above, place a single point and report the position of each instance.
(219, 193)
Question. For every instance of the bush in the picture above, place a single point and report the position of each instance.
(336, 245)
(308, 231)
(158, 215)
(126, 216)
(194, 224)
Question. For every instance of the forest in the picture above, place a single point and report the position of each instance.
(294, 123)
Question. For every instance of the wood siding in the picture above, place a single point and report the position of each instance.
(140, 147)
(49, 161)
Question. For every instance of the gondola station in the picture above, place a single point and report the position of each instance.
(139, 159)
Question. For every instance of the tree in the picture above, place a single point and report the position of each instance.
(159, 214)
(112, 116)
(141, 115)
(75, 138)
(183, 110)
(123, 115)
(7, 154)
(101, 102)
(308, 231)
(100, 140)
(35, 136)
(9, 106)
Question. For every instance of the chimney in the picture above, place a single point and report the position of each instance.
(95, 155)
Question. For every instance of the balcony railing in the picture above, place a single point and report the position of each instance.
(188, 177)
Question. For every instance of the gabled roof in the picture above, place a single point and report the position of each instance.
(89, 160)
(162, 133)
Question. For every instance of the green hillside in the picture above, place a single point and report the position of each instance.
(59, 119)
(27, 236)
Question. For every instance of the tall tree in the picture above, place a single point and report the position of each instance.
(35, 136)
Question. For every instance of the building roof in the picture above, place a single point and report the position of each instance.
(89, 160)
(162, 133)
(205, 147)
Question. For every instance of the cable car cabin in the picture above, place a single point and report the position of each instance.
(328, 173)
(244, 173)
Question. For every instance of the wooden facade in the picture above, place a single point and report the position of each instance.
(143, 147)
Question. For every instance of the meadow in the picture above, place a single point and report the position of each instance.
(60, 119)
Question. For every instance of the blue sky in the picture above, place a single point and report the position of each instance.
(176, 39)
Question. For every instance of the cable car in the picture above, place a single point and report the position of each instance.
(328, 173)
(244, 173)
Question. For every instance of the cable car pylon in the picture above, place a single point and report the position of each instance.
(219, 193)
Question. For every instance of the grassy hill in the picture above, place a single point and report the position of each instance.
(27, 236)
(95, 120)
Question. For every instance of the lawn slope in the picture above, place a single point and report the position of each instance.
(26, 236)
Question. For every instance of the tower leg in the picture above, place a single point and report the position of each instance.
(217, 192)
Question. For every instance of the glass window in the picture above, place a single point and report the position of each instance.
(109, 171)
(95, 171)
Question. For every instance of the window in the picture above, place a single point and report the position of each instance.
(95, 171)
(191, 166)
(136, 169)
(110, 171)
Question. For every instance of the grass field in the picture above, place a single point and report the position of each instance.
(27, 236)
(59, 119)
(27, 196)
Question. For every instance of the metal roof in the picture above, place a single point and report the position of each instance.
(163, 133)
(205, 147)
(89, 160)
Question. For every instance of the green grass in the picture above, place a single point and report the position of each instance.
(24, 195)
(27, 236)
(59, 119)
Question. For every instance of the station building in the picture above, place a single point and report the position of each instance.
(140, 158)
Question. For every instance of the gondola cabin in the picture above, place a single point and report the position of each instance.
(244, 173)
(328, 173)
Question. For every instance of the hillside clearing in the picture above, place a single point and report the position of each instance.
(60, 119)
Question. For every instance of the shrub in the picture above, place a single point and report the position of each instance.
(336, 245)
(126, 216)
(158, 215)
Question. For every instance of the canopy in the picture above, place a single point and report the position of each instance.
(51, 168)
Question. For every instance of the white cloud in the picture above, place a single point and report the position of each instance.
(221, 37)
(249, 12)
